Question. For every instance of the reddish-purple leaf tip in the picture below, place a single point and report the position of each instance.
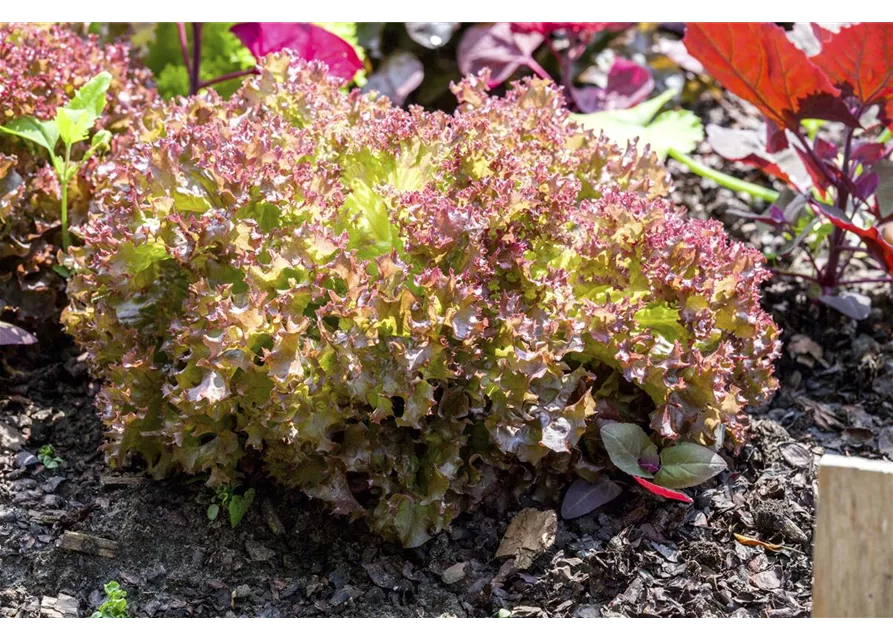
(663, 492)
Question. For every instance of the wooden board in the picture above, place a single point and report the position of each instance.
(853, 553)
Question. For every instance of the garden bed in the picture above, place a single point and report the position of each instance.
(637, 556)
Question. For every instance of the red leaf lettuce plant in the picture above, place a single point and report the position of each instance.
(505, 47)
(844, 181)
(391, 310)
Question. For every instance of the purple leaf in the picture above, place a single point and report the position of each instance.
(308, 41)
(585, 497)
(398, 76)
(650, 463)
(827, 107)
(628, 84)
(850, 304)
(869, 152)
(866, 185)
(12, 335)
(498, 48)
(824, 149)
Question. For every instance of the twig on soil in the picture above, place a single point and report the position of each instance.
(85, 543)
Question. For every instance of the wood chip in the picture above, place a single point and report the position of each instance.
(116, 482)
(796, 455)
(85, 543)
(529, 533)
(806, 351)
(767, 580)
(274, 523)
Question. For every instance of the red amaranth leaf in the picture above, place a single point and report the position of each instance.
(307, 40)
(498, 48)
(663, 492)
(859, 61)
(628, 84)
(875, 238)
(757, 62)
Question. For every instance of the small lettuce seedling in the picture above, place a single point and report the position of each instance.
(843, 181)
(236, 505)
(72, 124)
(48, 458)
(115, 603)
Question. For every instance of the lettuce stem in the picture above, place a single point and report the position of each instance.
(724, 180)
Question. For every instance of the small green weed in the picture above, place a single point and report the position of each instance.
(115, 603)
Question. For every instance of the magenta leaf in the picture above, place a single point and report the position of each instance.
(12, 335)
(866, 185)
(498, 48)
(307, 40)
(585, 497)
(650, 463)
(869, 152)
(628, 84)
(662, 492)
(851, 304)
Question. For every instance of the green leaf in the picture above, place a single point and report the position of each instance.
(133, 259)
(101, 140)
(91, 96)
(680, 130)
(74, 124)
(45, 134)
(663, 320)
(239, 506)
(626, 443)
(686, 465)
(213, 511)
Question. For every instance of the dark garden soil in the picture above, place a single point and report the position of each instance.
(638, 556)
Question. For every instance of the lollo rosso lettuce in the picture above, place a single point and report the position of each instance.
(391, 310)
(41, 68)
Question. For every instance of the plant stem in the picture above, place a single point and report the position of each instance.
(790, 274)
(195, 71)
(538, 70)
(724, 180)
(66, 240)
(232, 75)
(866, 281)
(184, 47)
(832, 275)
